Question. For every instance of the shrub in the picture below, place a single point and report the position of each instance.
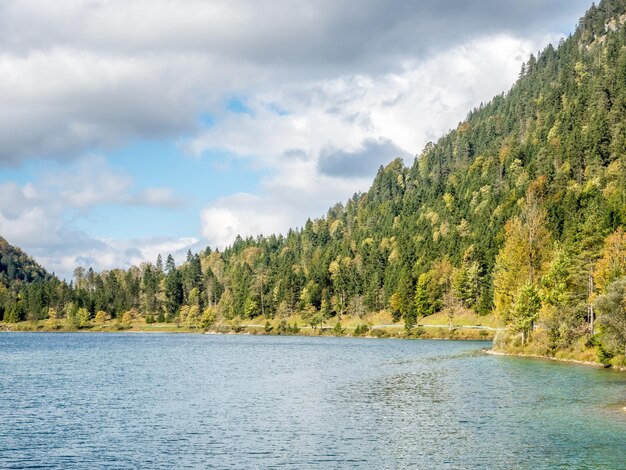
(101, 317)
(361, 330)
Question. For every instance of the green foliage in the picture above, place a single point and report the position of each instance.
(338, 329)
(526, 309)
(17, 267)
(612, 316)
(11, 314)
(361, 330)
(209, 316)
(83, 317)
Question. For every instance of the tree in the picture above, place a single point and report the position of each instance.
(612, 316)
(173, 293)
(193, 317)
(466, 283)
(526, 310)
(451, 306)
(612, 264)
(11, 315)
(170, 265)
(340, 275)
(406, 293)
(523, 257)
(83, 317)
(423, 301)
(395, 305)
(208, 317)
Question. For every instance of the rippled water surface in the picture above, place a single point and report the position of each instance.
(174, 401)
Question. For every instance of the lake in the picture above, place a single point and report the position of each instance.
(197, 401)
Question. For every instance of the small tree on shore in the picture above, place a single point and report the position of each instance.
(526, 310)
(612, 316)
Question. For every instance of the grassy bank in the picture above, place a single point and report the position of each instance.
(586, 358)
(379, 325)
(584, 351)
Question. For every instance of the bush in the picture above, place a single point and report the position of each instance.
(283, 328)
(209, 316)
(101, 317)
(604, 356)
(83, 317)
(126, 320)
(361, 330)
(379, 333)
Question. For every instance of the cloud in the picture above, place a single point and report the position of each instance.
(407, 108)
(287, 199)
(157, 197)
(360, 162)
(40, 217)
(79, 76)
(91, 181)
(337, 33)
(241, 214)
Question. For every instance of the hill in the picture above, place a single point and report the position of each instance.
(17, 267)
(517, 211)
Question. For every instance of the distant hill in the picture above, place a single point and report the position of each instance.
(17, 267)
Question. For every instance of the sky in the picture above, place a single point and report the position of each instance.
(130, 128)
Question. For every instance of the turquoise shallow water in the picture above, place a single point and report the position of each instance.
(198, 401)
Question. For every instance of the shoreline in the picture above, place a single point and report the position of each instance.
(597, 365)
(375, 332)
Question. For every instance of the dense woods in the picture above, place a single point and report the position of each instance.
(518, 211)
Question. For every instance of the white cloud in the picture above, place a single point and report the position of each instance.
(39, 217)
(409, 108)
(240, 214)
(82, 75)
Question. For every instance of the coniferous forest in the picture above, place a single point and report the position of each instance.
(519, 212)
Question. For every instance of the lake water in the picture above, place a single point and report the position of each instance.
(198, 401)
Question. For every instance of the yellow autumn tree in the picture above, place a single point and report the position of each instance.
(524, 256)
(612, 264)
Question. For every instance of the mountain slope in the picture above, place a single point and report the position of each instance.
(16, 266)
(518, 211)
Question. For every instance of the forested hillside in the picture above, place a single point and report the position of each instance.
(17, 267)
(519, 211)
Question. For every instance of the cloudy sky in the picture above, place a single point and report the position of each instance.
(130, 128)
